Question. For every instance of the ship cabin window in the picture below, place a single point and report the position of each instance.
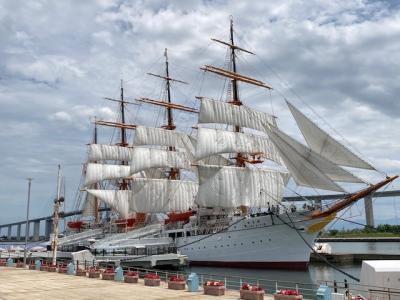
(188, 233)
(171, 235)
(179, 234)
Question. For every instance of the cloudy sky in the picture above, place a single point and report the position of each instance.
(338, 61)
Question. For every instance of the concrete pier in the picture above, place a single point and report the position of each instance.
(350, 258)
(21, 284)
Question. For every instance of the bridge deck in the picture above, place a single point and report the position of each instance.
(394, 193)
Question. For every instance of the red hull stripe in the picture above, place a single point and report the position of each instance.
(286, 265)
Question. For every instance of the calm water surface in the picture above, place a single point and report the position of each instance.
(317, 272)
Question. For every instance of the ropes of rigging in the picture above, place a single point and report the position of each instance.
(286, 85)
(293, 226)
(314, 251)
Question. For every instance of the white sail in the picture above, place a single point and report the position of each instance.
(159, 195)
(217, 159)
(162, 137)
(155, 174)
(109, 152)
(323, 144)
(307, 167)
(222, 112)
(147, 158)
(89, 207)
(235, 186)
(98, 172)
(117, 199)
(212, 141)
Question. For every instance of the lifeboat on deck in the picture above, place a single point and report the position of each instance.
(122, 223)
(76, 225)
(175, 217)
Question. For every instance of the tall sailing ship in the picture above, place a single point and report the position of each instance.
(209, 184)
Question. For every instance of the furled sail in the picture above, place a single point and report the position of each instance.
(147, 158)
(159, 195)
(162, 137)
(212, 111)
(323, 144)
(89, 207)
(117, 199)
(307, 167)
(212, 141)
(98, 172)
(109, 152)
(235, 186)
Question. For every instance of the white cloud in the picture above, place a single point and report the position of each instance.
(79, 116)
(60, 58)
(61, 116)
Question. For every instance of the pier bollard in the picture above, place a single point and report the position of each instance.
(119, 274)
(193, 282)
(324, 293)
(10, 262)
(38, 263)
(70, 269)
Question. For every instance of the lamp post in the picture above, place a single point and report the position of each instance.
(27, 219)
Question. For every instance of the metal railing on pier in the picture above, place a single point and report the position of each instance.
(308, 290)
(367, 292)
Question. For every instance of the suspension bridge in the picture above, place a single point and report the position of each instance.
(7, 230)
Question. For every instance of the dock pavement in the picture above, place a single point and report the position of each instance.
(16, 284)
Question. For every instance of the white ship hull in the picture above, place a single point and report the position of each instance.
(257, 242)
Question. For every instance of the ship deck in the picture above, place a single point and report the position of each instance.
(25, 284)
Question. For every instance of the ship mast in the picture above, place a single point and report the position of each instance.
(174, 173)
(122, 108)
(56, 217)
(123, 143)
(123, 126)
(170, 118)
(96, 200)
(235, 101)
(235, 77)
